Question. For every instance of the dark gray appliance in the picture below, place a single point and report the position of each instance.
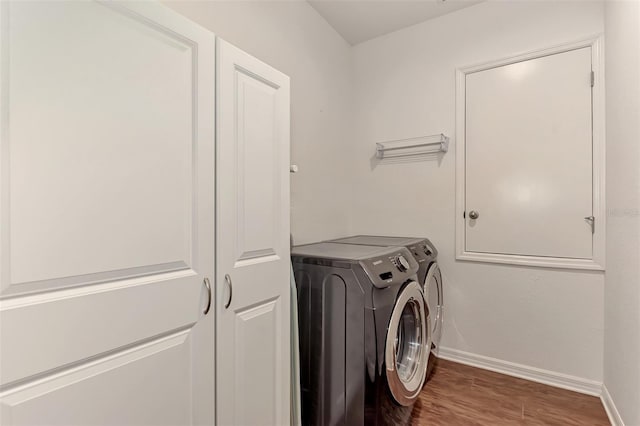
(425, 253)
(364, 333)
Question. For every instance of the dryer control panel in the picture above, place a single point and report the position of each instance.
(392, 268)
(423, 251)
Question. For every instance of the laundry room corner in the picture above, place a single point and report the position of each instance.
(540, 323)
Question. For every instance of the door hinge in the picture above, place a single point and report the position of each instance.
(593, 78)
(592, 222)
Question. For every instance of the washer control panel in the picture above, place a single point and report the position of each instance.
(395, 267)
(401, 263)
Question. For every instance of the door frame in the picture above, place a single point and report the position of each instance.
(597, 262)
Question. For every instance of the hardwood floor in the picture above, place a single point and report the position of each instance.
(457, 394)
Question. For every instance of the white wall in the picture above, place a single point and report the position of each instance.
(405, 87)
(622, 289)
(292, 37)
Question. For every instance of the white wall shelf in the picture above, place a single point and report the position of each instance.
(412, 146)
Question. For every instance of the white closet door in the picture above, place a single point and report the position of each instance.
(106, 213)
(252, 241)
(529, 157)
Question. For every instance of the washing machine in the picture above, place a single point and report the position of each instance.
(425, 253)
(364, 333)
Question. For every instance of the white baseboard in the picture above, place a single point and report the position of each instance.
(610, 408)
(551, 378)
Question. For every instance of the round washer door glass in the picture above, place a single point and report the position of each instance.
(433, 292)
(408, 340)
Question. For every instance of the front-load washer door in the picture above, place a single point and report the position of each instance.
(407, 345)
(433, 292)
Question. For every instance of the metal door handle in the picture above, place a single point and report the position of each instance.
(227, 279)
(207, 284)
(473, 214)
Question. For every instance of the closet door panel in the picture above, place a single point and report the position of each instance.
(258, 183)
(253, 241)
(529, 157)
(106, 214)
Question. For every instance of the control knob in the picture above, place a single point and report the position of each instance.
(402, 263)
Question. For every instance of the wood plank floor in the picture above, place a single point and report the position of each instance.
(457, 394)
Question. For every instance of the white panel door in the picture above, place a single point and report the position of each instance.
(106, 215)
(529, 157)
(252, 241)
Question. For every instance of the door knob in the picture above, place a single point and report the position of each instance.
(473, 214)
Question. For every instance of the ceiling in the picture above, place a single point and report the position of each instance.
(361, 20)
